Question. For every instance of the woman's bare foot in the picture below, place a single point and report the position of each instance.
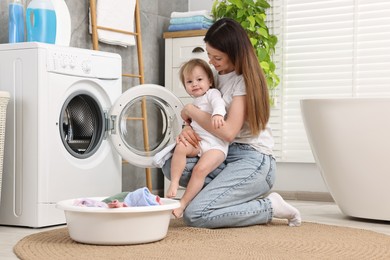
(178, 213)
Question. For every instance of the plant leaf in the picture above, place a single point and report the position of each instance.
(251, 14)
(237, 3)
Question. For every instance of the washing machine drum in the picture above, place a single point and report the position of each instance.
(82, 125)
(142, 122)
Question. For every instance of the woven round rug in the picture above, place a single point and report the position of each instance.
(273, 241)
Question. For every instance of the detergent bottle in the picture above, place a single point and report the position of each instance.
(63, 27)
(41, 21)
(15, 21)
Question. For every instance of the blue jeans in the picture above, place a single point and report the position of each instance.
(231, 196)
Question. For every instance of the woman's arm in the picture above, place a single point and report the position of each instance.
(233, 123)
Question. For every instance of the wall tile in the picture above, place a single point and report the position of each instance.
(166, 7)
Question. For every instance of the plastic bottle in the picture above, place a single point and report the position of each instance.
(41, 21)
(15, 21)
(63, 28)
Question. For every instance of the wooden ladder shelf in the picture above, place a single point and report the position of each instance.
(140, 75)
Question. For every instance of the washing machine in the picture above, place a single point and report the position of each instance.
(69, 126)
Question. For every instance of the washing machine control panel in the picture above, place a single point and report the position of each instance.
(69, 63)
(84, 64)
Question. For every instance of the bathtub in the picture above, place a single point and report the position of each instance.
(350, 140)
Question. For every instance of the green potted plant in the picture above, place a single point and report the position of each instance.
(251, 14)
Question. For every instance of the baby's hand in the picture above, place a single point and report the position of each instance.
(217, 121)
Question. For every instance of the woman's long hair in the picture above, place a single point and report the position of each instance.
(228, 36)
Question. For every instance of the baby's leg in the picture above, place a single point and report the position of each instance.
(178, 164)
(209, 161)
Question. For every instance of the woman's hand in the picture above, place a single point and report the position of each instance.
(188, 136)
(232, 125)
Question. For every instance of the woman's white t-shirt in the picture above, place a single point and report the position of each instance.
(231, 85)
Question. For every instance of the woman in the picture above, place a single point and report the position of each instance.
(233, 194)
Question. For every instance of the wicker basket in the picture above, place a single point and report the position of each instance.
(4, 99)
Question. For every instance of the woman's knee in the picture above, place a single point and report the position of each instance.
(191, 217)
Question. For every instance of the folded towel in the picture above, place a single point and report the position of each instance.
(161, 157)
(118, 16)
(192, 19)
(188, 26)
(204, 13)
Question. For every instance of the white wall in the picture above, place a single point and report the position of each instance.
(194, 5)
(299, 177)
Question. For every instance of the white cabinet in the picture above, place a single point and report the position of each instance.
(179, 48)
(177, 51)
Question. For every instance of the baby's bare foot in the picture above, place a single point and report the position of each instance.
(172, 190)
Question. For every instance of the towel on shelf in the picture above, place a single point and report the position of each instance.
(188, 26)
(192, 19)
(118, 16)
(205, 13)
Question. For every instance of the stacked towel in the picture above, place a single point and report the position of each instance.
(193, 20)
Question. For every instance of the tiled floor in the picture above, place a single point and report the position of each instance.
(320, 212)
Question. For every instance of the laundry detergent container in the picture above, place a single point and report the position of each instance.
(41, 21)
(118, 226)
(63, 23)
(48, 21)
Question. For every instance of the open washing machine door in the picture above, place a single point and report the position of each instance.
(142, 107)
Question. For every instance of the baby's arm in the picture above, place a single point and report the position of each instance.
(218, 105)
